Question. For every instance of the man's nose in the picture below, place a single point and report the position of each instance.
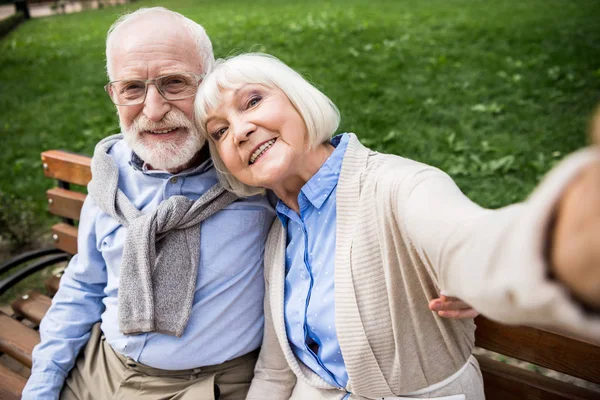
(155, 106)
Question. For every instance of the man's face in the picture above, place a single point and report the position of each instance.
(161, 132)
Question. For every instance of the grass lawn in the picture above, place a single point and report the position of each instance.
(494, 92)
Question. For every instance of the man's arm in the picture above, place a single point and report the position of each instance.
(75, 308)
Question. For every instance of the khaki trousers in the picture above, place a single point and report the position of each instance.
(102, 374)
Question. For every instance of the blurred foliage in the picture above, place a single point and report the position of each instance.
(495, 93)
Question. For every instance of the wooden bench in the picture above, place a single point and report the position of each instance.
(502, 381)
(18, 334)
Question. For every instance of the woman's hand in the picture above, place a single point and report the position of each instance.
(575, 252)
(452, 307)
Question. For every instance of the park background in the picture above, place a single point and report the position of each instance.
(493, 92)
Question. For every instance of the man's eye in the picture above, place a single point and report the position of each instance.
(175, 81)
(218, 134)
(130, 87)
(130, 90)
(175, 84)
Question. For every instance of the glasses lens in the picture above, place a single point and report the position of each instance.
(177, 86)
(127, 92)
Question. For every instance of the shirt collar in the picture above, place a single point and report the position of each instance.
(320, 185)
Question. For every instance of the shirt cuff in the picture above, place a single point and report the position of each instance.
(43, 386)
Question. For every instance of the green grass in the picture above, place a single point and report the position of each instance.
(494, 92)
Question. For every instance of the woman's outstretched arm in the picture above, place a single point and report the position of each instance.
(502, 262)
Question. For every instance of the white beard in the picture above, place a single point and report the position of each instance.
(162, 154)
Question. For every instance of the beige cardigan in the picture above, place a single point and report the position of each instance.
(404, 233)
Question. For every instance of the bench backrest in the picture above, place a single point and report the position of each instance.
(546, 349)
(67, 168)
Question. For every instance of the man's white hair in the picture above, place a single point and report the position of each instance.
(203, 44)
(319, 113)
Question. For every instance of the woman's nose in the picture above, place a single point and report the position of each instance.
(242, 131)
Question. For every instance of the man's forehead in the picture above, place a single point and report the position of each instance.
(162, 47)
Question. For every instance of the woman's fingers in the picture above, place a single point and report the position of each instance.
(459, 314)
(452, 307)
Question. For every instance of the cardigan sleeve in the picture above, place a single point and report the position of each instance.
(495, 259)
(273, 378)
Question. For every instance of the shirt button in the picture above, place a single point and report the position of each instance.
(174, 180)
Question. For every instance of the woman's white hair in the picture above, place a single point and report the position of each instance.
(203, 44)
(320, 115)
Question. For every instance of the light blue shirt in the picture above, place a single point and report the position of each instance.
(227, 314)
(309, 282)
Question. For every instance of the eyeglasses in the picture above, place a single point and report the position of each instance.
(131, 92)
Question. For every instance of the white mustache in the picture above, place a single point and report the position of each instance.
(173, 119)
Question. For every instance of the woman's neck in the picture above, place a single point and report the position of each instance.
(289, 190)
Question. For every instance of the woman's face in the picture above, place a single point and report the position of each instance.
(259, 135)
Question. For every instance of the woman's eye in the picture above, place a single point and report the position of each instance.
(216, 135)
(254, 101)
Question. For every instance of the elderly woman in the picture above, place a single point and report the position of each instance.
(364, 240)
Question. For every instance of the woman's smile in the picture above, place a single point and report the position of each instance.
(261, 151)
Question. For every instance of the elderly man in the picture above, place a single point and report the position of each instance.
(188, 319)
(175, 330)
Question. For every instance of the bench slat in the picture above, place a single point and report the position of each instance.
(65, 203)
(547, 349)
(12, 384)
(65, 237)
(32, 306)
(51, 284)
(68, 167)
(503, 381)
(17, 340)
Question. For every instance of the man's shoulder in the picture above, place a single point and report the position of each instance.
(120, 152)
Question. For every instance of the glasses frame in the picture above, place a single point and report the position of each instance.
(147, 82)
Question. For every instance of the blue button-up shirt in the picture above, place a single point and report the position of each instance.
(309, 283)
(227, 313)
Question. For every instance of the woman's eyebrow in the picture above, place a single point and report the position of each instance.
(209, 119)
(236, 93)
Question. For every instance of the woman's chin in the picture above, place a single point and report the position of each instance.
(265, 169)
(266, 182)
